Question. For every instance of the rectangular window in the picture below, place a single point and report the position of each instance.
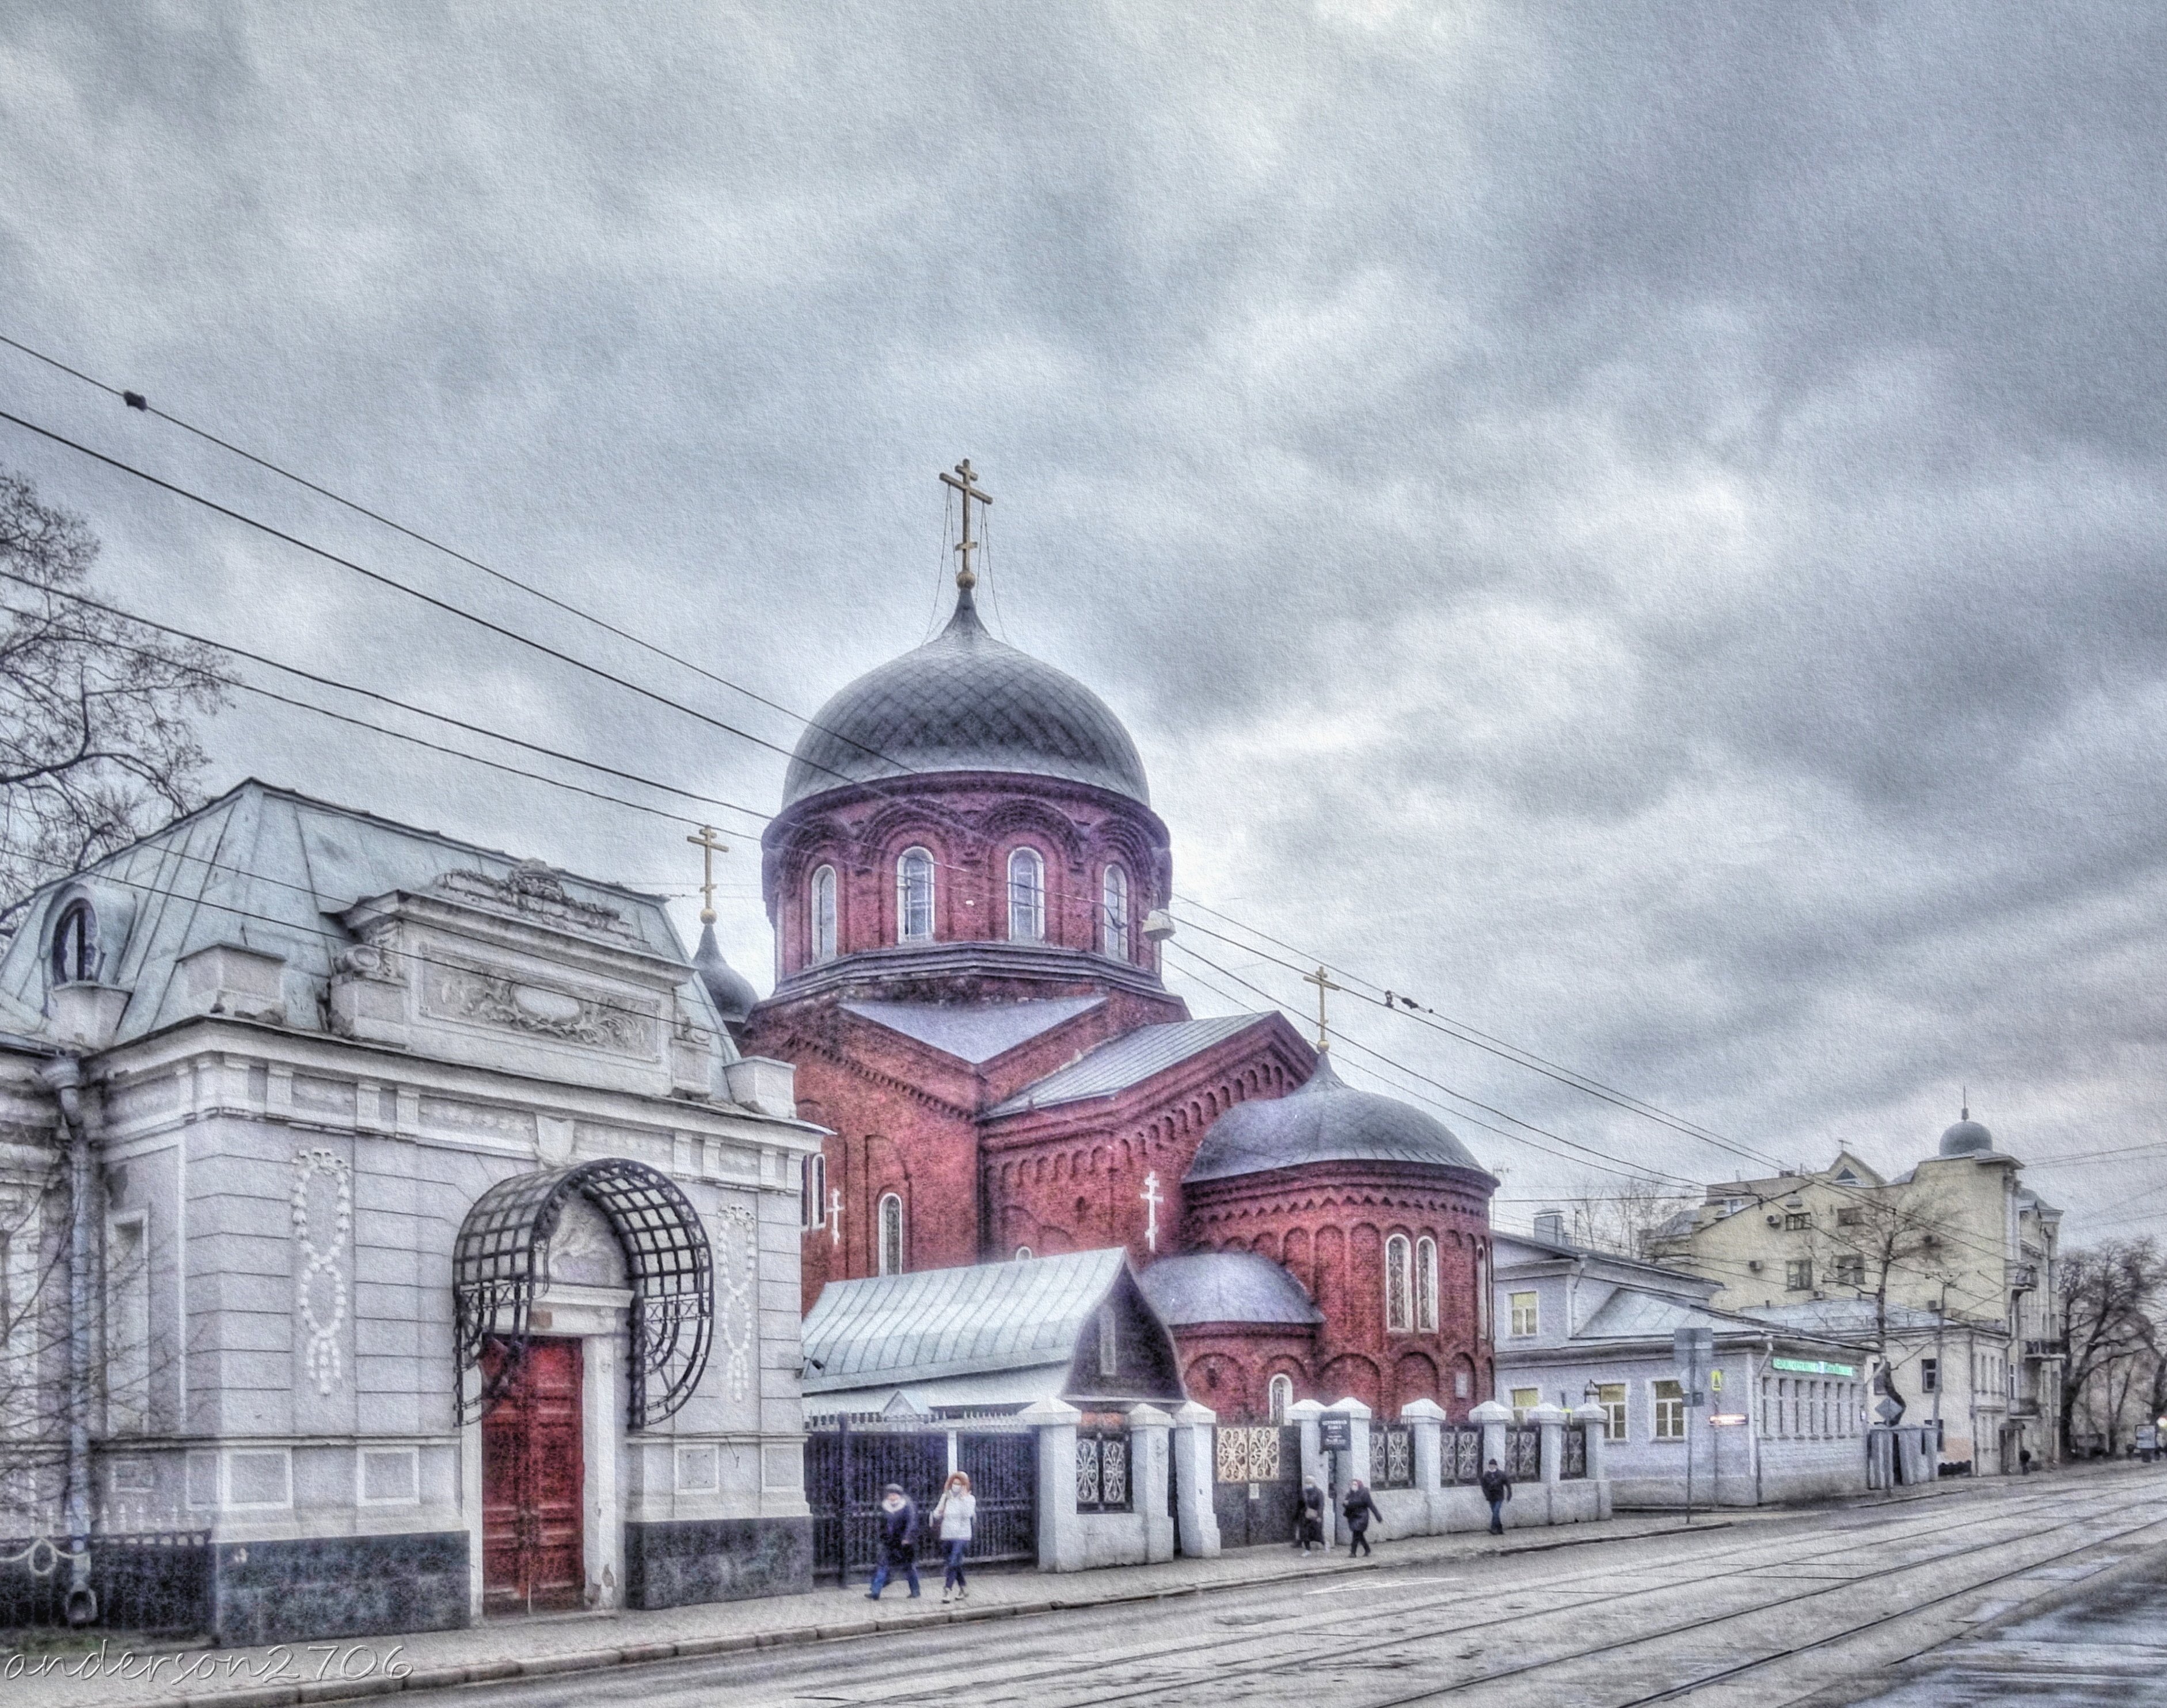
(1797, 1221)
(1527, 1314)
(1799, 1275)
(1525, 1400)
(1851, 1272)
(1930, 1375)
(1670, 1401)
(1611, 1397)
(1109, 1349)
(1849, 1216)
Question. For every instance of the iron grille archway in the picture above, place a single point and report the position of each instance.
(502, 1260)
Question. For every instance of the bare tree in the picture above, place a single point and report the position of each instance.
(2112, 1295)
(1624, 1215)
(1881, 1246)
(96, 713)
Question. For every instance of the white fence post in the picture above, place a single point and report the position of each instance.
(1149, 1470)
(1194, 1476)
(1060, 1536)
(1426, 1419)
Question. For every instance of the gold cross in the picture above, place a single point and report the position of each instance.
(709, 846)
(1323, 983)
(968, 486)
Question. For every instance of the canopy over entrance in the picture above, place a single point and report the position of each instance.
(502, 1259)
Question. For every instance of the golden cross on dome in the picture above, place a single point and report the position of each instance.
(1323, 981)
(709, 845)
(965, 482)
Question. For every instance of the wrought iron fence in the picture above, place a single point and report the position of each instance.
(1461, 1453)
(1103, 1483)
(1524, 1452)
(1575, 1450)
(155, 1581)
(1392, 1456)
(1250, 1453)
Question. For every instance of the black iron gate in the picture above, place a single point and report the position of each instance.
(848, 1468)
(156, 1583)
(1256, 1487)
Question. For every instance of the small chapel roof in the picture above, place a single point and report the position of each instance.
(974, 1032)
(1225, 1286)
(964, 701)
(1127, 1060)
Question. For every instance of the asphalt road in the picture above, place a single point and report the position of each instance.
(1761, 1613)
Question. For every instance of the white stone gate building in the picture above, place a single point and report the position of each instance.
(378, 1133)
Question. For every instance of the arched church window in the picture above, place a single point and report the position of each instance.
(812, 1196)
(1482, 1290)
(1023, 1253)
(891, 1234)
(1398, 1316)
(1426, 1285)
(1027, 896)
(1281, 1390)
(823, 910)
(1113, 911)
(914, 897)
(75, 945)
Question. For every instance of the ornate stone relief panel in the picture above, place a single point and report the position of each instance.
(323, 1217)
(623, 1025)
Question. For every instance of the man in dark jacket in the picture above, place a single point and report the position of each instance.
(1359, 1509)
(1309, 1526)
(1497, 1489)
(898, 1541)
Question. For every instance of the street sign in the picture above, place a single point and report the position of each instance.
(1335, 1432)
(1727, 1419)
(1888, 1410)
(1814, 1367)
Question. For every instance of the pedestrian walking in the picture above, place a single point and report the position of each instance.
(898, 1541)
(1359, 1509)
(1309, 1524)
(2024, 1459)
(1497, 1489)
(952, 1515)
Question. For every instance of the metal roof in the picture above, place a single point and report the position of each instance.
(1326, 1120)
(974, 1032)
(964, 701)
(1843, 1317)
(1127, 1060)
(1225, 1286)
(898, 1329)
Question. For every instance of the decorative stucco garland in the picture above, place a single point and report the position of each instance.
(733, 1320)
(322, 1357)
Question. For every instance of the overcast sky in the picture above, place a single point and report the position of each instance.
(1642, 526)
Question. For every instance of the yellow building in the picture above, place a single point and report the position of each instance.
(1948, 1272)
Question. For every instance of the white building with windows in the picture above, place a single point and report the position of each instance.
(435, 1252)
(1787, 1410)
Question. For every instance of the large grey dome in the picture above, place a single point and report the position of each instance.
(964, 701)
(1326, 1120)
(1967, 1137)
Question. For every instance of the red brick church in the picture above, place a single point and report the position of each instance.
(966, 883)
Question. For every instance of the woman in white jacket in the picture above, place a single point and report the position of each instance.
(953, 1513)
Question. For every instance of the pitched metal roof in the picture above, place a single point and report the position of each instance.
(1127, 1060)
(1225, 1286)
(903, 1329)
(964, 701)
(974, 1032)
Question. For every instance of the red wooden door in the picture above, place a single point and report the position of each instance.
(530, 1484)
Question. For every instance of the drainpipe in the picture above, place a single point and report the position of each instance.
(64, 1076)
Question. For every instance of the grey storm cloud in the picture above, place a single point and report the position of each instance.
(1639, 524)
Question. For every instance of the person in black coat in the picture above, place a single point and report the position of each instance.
(898, 1541)
(1309, 1523)
(1359, 1509)
(1497, 1489)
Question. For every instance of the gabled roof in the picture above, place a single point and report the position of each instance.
(1225, 1286)
(974, 1032)
(265, 868)
(1848, 1318)
(1127, 1060)
(905, 1329)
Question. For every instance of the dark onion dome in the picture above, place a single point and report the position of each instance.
(964, 701)
(1326, 1120)
(732, 991)
(1967, 1137)
(1225, 1286)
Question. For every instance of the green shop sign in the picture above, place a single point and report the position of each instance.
(1814, 1367)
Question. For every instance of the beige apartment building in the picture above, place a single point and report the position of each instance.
(1946, 1272)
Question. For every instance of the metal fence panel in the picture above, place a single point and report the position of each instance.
(1392, 1456)
(1524, 1452)
(1461, 1454)
(1004, 1472)
(1575, 1450)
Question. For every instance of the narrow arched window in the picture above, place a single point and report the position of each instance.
(1023, 1253)
(1398, 1314)
(813, 1194)
(1281, 1389)
(823, 910)
(1114, 910)
(914, 897)
(75, 945)
(1027, 896)
(1426, 1285)
(891, 1235)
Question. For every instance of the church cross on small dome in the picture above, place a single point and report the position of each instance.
(710, 845)
(1323, 981)
(965, 481)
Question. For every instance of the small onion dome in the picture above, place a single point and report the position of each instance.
(1967, 1137)
(964, 701)
(1326, 1120)
(732, 992)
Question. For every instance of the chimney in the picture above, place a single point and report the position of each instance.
(1549, 1224)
